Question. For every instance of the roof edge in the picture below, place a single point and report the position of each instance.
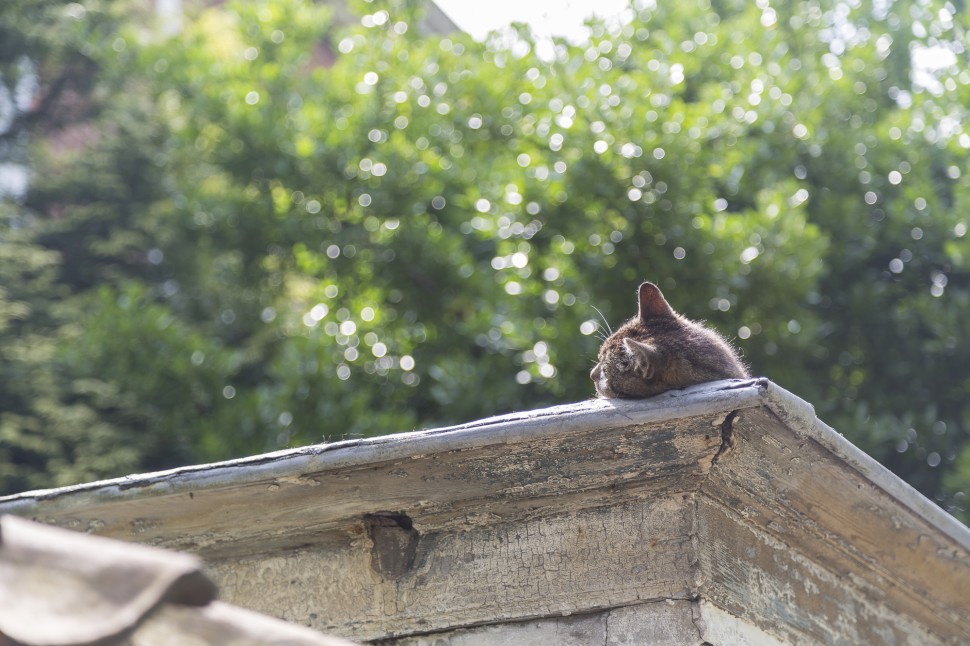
(713, 398)
(597, 414)
(799, 415)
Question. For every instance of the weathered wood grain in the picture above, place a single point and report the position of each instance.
(666, 623)
(831, 524)
(554, 565)
(770, 584)
(585, 630)
(462, 487)
(606, 520)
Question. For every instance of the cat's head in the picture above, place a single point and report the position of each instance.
(660, 350)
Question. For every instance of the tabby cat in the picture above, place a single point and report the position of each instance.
(660, 350)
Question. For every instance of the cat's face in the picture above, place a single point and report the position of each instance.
(629, 363)
(660, 350)
(620, 370)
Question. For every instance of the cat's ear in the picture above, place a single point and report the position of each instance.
(645, 357)
(652, 303)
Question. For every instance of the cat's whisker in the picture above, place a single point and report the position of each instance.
(605, 322)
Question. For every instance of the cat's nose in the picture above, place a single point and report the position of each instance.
(595, 373)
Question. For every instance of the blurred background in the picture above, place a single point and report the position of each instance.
(233, 227)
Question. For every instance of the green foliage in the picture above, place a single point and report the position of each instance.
(49, 435)
(265, 251)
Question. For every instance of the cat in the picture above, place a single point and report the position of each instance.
(660, 350)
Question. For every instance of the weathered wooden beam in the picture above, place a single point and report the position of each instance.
(729, 501)
(495, 462)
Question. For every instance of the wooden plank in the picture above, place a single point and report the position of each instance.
(852, 551)
(670, 623)
(459, 487)
(770, 585)
(705, 400)
(583, 630)
(792, 535)
(550, 566)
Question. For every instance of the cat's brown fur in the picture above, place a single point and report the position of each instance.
(660, 350)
